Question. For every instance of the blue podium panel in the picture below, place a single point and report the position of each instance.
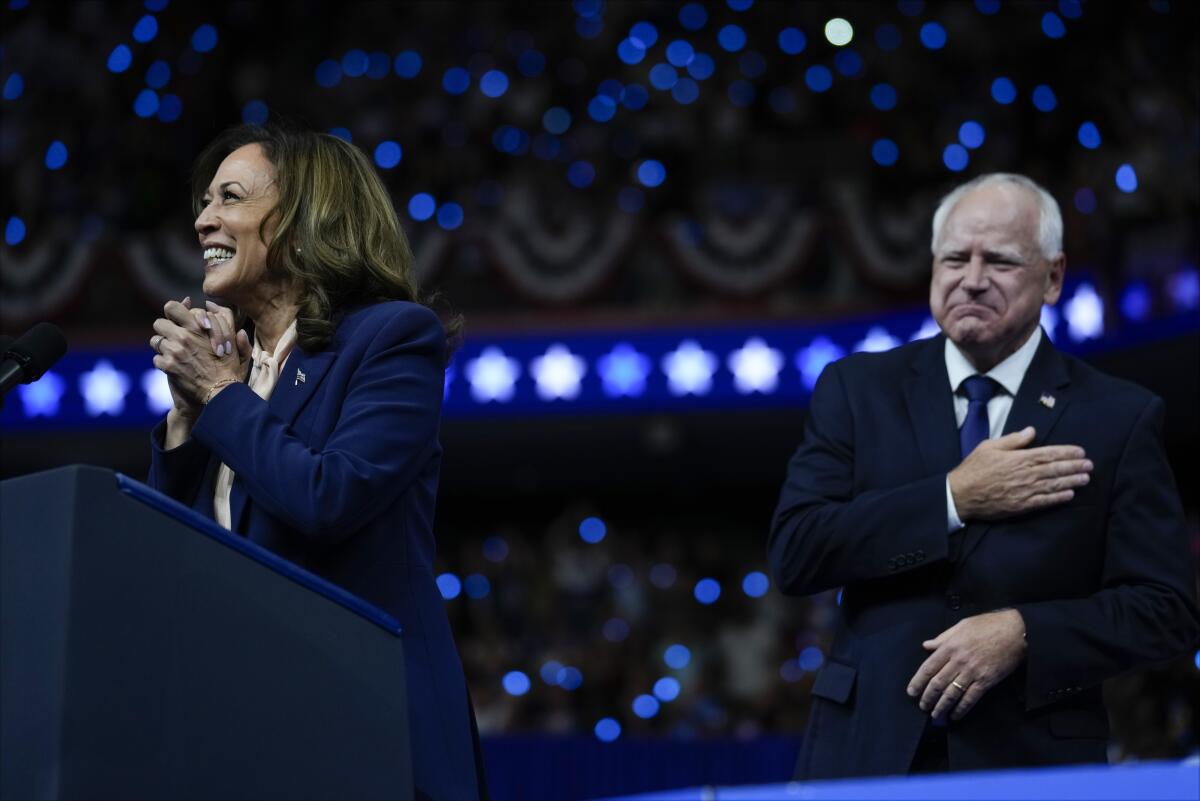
(1155, 781)
(143, 655)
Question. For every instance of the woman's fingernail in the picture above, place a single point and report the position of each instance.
(208, 304)
(228, 346)
(220, 350)
(187, 300)
(205, 323)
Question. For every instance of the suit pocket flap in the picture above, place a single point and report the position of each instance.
(835, 682)
(1079, 723)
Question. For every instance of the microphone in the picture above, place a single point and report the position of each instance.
(26, 358)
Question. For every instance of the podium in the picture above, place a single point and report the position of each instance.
(146, 652)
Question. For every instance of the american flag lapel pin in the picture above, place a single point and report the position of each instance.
(1047, 400)
(300, 380)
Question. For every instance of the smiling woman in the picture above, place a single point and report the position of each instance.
(307, 397)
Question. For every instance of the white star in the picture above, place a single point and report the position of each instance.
(623, 371)
(812, 360)
(493, 376)
(104, 389)
(1085, 314)
(158, 393)
(689, 369)
(755, 367)
(928, 329)
(1049, 320)
(558, 373)
(876, 340)
(42, 396)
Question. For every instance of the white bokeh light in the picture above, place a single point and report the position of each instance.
(104, 389)
(1049, 321)
(876, 340)
(158, 392)
(41, 398)
(839, 32)
(755, 367)
(689, 369)
(493, 376)
(1085, 314)
(928, 329)
(558, 373)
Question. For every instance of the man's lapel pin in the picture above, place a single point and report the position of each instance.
(300, 380)
(1046, 400)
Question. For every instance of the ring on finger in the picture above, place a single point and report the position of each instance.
(158, 338)
(961, 687)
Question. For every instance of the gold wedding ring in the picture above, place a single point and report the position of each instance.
(961, 688)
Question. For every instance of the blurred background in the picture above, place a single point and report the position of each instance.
(660, 221)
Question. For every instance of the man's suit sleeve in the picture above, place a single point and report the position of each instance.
(1146, 609)
(387, 426)
(826, 535)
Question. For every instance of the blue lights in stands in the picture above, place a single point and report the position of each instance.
(1071, 9)
(680, 53)
(685, 91)
(607, 730)
(569, 678)
(1183, 287)
(14, 231)
(14, 85)
(1136, 301)
(666, 689)
(693, 16)
(494, 83)
(388, 154)
(645, 706)
(588, 8)
(145, 29)
(42, 398)
(955, 157)
(558, 373)
(354, 63)
(1126, 178)
(515, 683)
(624, 370)
(812, 360)
(549, 672)
(988, 7)
(456, 80)
(651, 173)
(450, 216)
(839, 32)
(933, 36)
(644, 33)
(592, 530)
(155, 5)
(677, 656)
(581, 173)
(421, 206)
(888, 37)
(615, 629)
(610, 88)
(531, 63)
(689, 369)
(169, 108)
(707, 591)
(911, 8)
(1049, 321)
(928, 329)
(818, 78)
(755, 367)
(146, 103)
(328, 73)
(495, 548)
(556, 120)
(476, 586)
(792, 41)
(158, 392)
(663, 575)
(702, 67)
(256, 113)
(104, 389)
(342, 133)
(1085, 200)
(885, 152)
(971, 134)
(630, 51)
(663, 76)
(602, 107)
(635, 97)
(883, 96)
(876, 341)
(1198, 660)
(1004, 91)
(848, 63)
(741, 93)
(158, 74)
(589, 28)
(1044, 98)
(1052, 25)
(731, 38)
(756, 584)
(811, 659)
(739, 5)
(1089, 135)
(407, 64)
(56, 155)
(204, 38)
(1084, 312)
(120, 58)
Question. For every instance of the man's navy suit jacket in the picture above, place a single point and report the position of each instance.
(338, 472)
(1104, 582)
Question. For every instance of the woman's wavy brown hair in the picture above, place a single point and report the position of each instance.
(337, 237)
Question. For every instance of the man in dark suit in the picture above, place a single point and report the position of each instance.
(1001, 517)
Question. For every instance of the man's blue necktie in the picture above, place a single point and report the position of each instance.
(979, 389)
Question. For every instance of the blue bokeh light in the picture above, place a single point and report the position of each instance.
(342, 133)
(755, 584)
(388, 154)
(592, 530)
(666, 689)
(495, 547)
(1126, 178)
(1043, 98)
(630, 200)
(56, 155)
(707, 591)
(630, 51)
(651, 173)
(685, 91)
(1089, 135)
(515, 683)
(1052, 25)
(14, 231)
(971, 134)
(645, 706)
(456, 80)
(702, 67)
(155, 5)
(1085, 200)
(531, 63)
(14, 85)
(663, 76)
(610, 87)
(933, 36)
(407, 64)
(731, 38)
(328, 73)
(848, 63)
(120, 58)
(739, 5)
(602, 108)
(607, 730)
(635, 97)
(477, 586)
(158, 74)
(818, 78)
(615, 629)
(549, 671)
(204, 38)
(581, 174)
(741, 93)
(1136, 301)
(170, 107)
(680, 53)
(792, 41)
(355, 62)
(146, 103)
(1003, 91)
(910, 8)
(494, 83)
(569, 678)
(589, 27)
(449, 586)
(645, 33)
(421, 206)
(677, 656)
(1071, 9)
(988, 7)
(885, 152)
(145, 29)
(255, 112)
(883, 96)
(955, 157)
(811, 658)
(450, 216)
(693, 16)
(556, 120)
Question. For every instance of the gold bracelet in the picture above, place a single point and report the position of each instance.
(224, 382)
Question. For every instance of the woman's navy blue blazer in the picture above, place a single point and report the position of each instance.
(338, 472)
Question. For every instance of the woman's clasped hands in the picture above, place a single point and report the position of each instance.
(200, 350)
